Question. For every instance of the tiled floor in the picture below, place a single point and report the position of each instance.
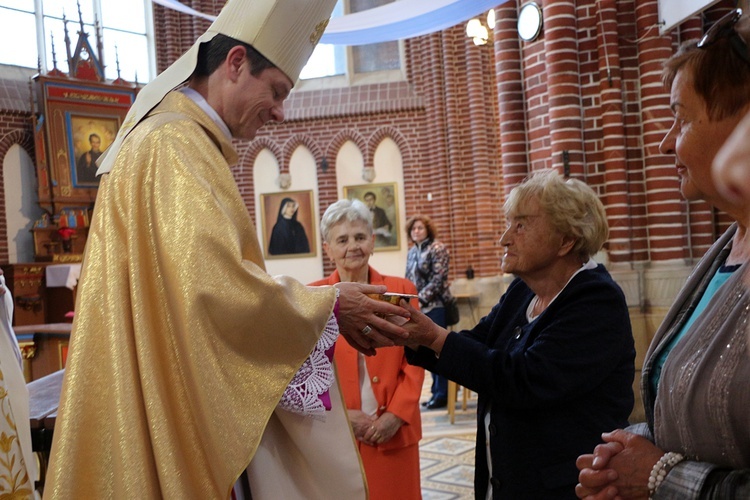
(446, 451)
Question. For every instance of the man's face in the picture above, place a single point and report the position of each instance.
(252, 101)
(95, 144)
(370, 201)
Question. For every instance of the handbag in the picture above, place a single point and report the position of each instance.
(451, 311)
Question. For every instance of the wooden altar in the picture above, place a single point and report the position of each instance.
(79, 115)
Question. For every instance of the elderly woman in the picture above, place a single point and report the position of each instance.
(381, 392)
(553, 362)
(696, 441)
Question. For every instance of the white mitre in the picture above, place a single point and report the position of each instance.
(284, 31)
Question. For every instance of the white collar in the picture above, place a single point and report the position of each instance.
(198, 99)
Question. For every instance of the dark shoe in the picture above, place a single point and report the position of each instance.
(436, 403)
(427, 403)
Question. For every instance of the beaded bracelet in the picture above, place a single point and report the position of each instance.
(661, 469)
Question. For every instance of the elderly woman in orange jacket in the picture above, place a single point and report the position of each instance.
(381, 392)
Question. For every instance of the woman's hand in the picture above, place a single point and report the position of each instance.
(632, 465)
(423, 331)
(382, 429)
(361, 424)
(596, 479)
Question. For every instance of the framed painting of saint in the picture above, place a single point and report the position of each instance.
(382, 200)
(288, 224)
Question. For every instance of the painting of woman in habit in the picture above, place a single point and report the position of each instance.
(288, 236)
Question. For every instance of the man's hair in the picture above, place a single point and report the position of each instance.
(91, 136)
(214, 52)
(370, 193)
(719, 75)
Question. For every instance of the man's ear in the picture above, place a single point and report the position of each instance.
(236, 56)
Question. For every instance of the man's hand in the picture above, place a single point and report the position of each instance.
(362, 319)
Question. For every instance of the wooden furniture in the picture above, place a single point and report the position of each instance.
(44, 348)
(465, 304)
(35, 301)
(44, 398)
(452, 396)
(77, 116)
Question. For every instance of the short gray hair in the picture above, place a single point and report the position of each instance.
(350, 210)
(573, 208)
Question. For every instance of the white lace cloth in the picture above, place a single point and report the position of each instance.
(315, 377)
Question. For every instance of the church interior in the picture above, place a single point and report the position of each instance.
(444, 123)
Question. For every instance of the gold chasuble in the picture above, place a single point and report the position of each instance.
(182, 345)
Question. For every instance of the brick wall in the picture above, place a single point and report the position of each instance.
(472, 121)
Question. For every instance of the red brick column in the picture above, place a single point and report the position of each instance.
(563, 85)
(613, 132)
(664, 205)
(511, 98)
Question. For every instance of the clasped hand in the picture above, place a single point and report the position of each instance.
(618, 469)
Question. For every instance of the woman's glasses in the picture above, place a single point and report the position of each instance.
(725, 27)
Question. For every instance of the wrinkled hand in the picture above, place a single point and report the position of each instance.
(382, 429)
(357, 310)
(632, 465)
(423, 331)
(595, 478)
(361, 424)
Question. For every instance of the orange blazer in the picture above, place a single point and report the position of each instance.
(396, 384)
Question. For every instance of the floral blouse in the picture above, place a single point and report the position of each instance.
(427, 265)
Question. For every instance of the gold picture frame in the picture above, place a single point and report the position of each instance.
(288, 232)
(382, 199)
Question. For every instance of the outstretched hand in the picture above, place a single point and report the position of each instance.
(423, 331)
(362, 319)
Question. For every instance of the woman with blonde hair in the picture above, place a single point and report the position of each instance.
(553, 362)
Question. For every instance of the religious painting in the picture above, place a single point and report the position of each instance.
(88, 136)
(288, 224)
(382, 200)
(77, 121)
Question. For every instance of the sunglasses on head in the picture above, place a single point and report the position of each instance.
(724, 27)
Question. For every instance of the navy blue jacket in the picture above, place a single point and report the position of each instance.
(552, 386)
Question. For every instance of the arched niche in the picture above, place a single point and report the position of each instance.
(21, 204)
(302, 183)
